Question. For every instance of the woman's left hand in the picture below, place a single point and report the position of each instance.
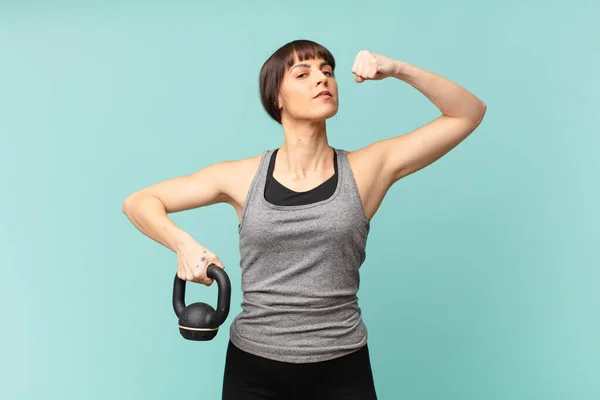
(371, 66)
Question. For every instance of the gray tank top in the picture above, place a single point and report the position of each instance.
(300, 273)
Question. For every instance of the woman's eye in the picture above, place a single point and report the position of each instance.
(304, 74)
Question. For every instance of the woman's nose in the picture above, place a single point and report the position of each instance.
(322, 79)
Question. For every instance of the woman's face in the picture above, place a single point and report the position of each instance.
(301, 94)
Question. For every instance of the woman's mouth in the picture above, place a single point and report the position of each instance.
(324, 93)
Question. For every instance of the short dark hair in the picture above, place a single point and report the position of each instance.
(273, 70)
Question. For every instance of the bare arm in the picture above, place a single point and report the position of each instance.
(148, 208)
(148, 214)
(462, 112)
(450, 98)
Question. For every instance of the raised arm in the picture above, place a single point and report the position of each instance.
(462, 112)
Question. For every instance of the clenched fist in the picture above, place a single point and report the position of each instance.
(192, 262)
(371, 66)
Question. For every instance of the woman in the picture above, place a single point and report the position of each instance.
(304, 211)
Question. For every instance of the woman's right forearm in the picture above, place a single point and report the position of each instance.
(148, 215)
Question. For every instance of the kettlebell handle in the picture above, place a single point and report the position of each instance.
(223, 297)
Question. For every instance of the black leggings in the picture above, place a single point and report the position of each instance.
(250, 377)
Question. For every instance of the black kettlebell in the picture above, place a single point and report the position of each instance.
(199, 321)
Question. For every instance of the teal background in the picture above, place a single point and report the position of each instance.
(482, 270)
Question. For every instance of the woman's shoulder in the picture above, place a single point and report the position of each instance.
(248, 162)
(240, 173)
